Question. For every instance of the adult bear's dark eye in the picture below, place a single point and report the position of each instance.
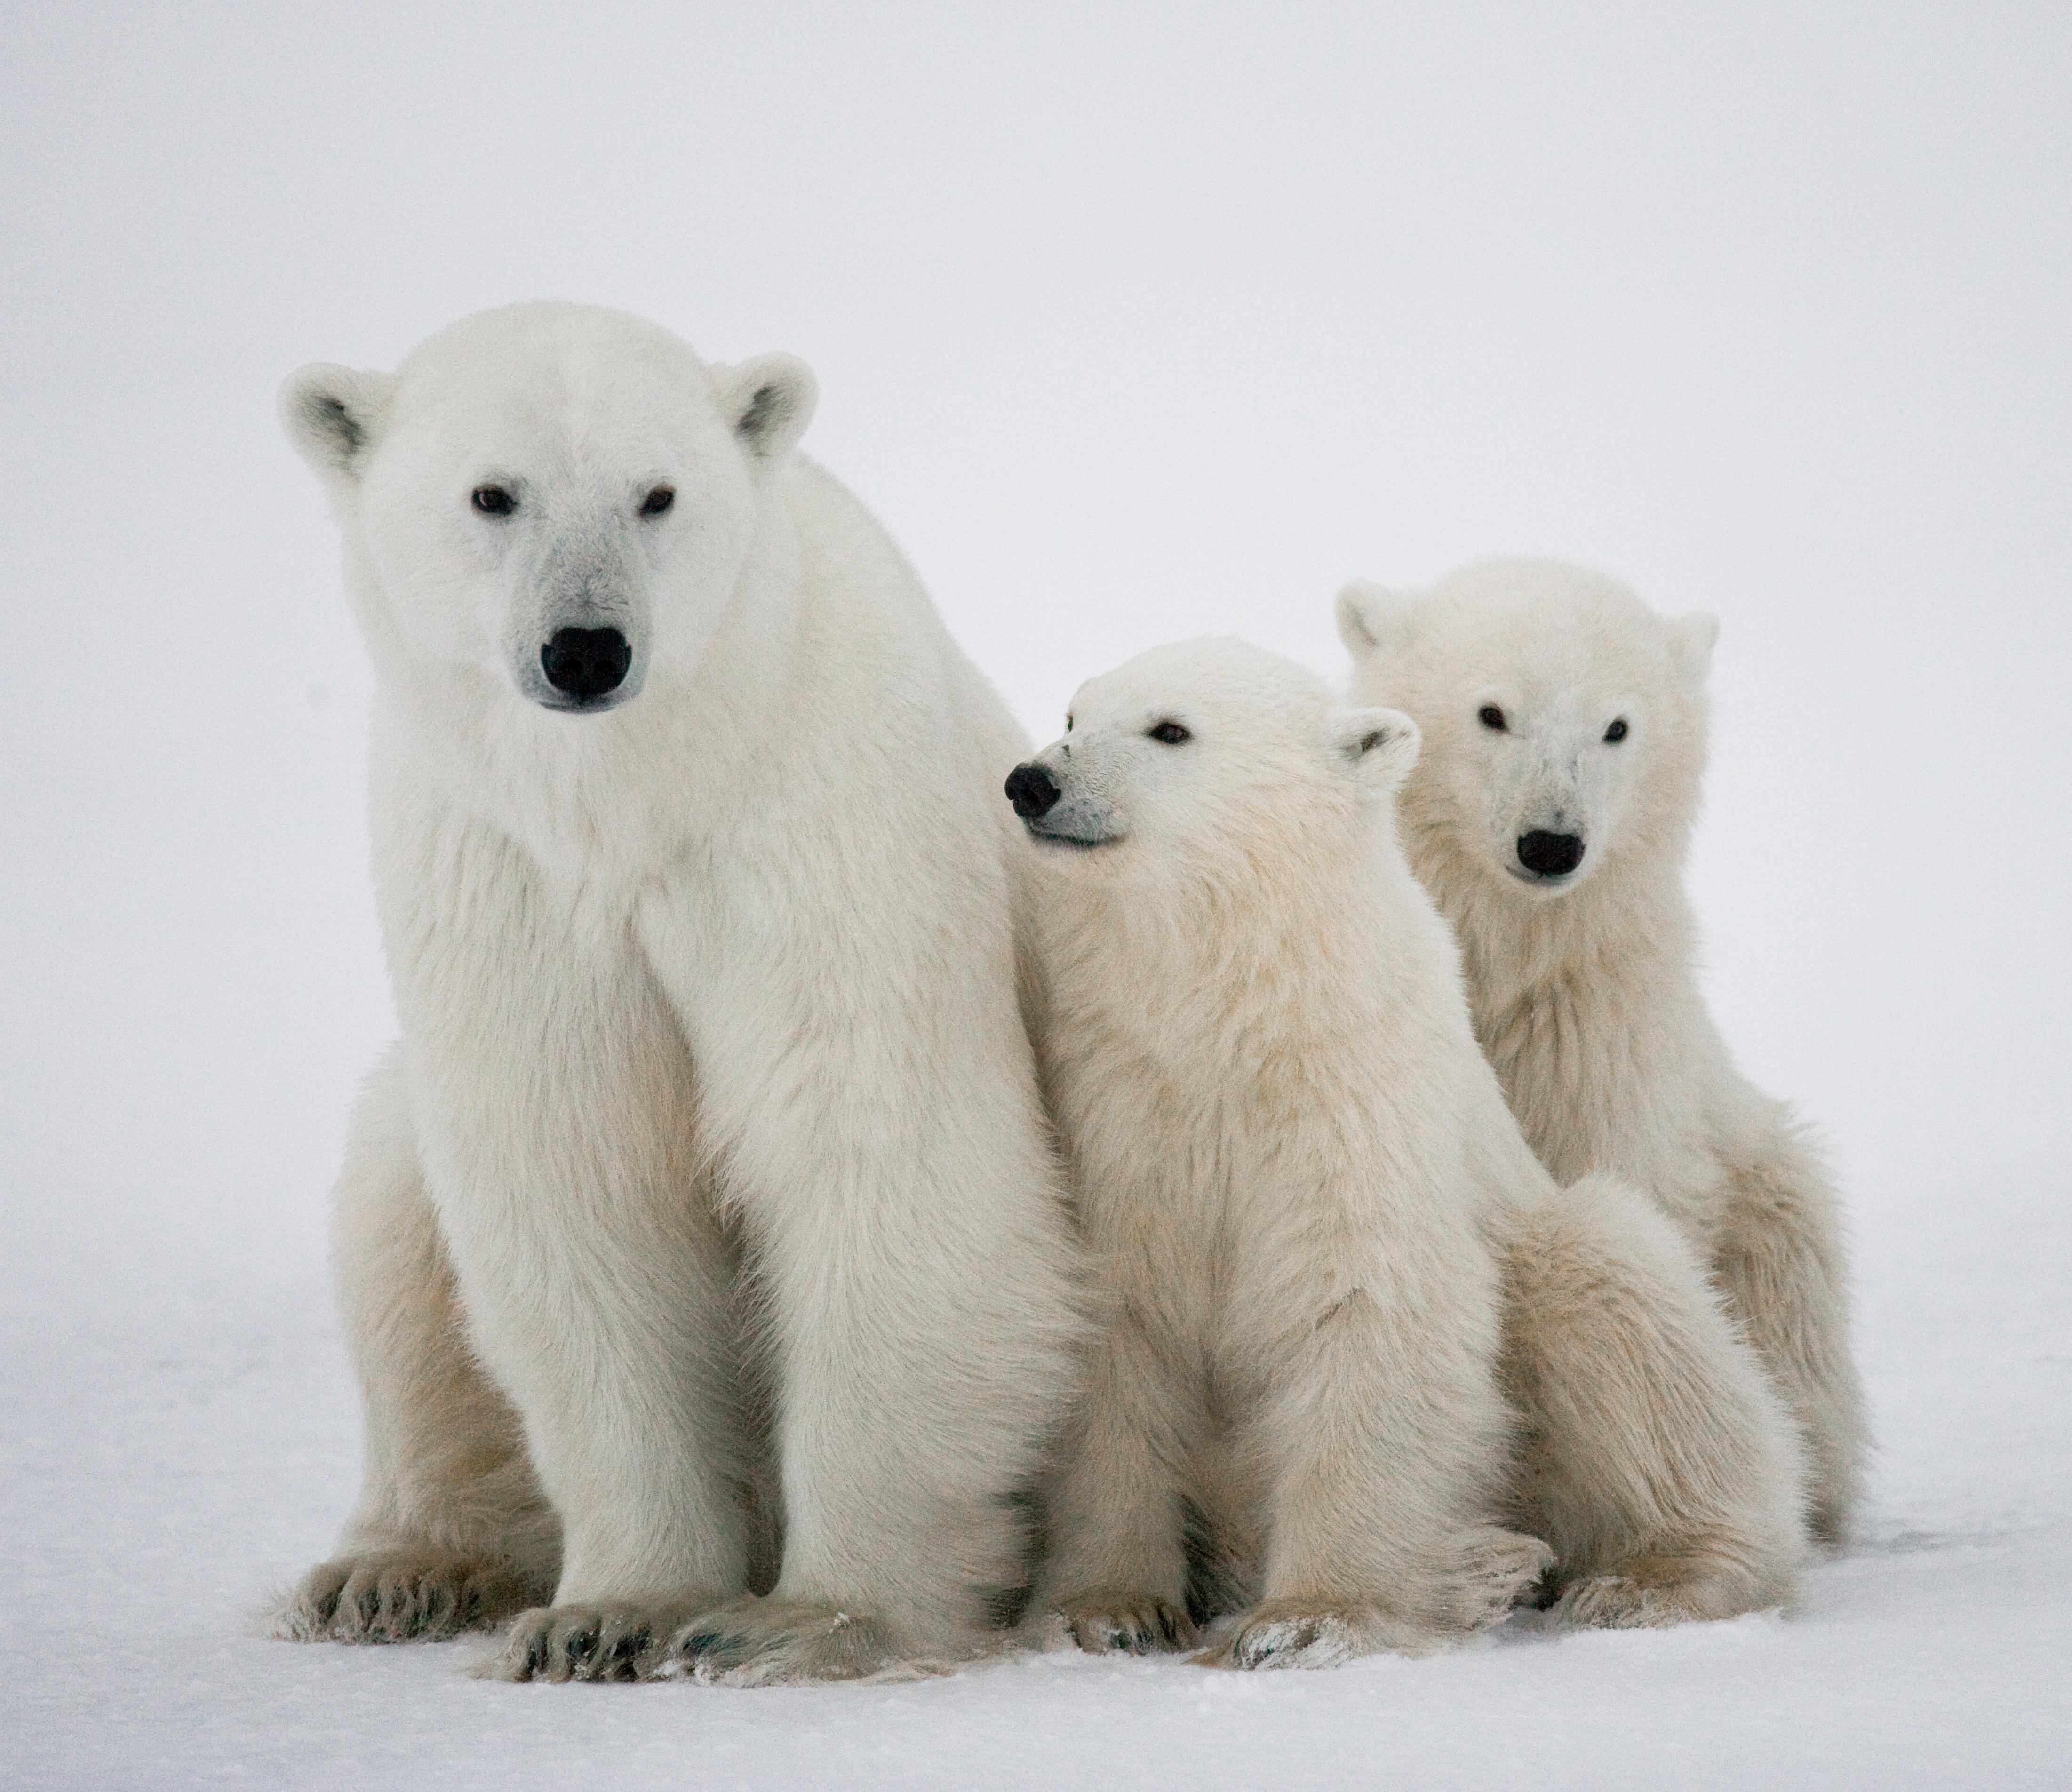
(493, 500)
(658, 500)
(1616, 732)
(1491, 718)
(1171, 732)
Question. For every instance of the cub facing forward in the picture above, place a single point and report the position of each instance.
(710, 1170)
(1564, 726)
(1327, 1256)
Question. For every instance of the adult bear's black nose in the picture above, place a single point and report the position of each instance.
(1030, 791)
(586, 662)
(1550, 855)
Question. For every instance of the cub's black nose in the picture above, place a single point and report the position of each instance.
(1030, 791)
(586, 662)
(1550, 855)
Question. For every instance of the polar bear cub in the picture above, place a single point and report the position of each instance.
(710, 1173)
(1326, 1254)
(1564, 726)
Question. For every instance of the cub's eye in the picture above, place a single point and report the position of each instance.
(1615, 732)
(1491, 718)
(493, 500)
(1068, 724)
(658, 500)
(1171, 732)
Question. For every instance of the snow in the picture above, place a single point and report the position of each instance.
(166, 1468)
(1130, 328)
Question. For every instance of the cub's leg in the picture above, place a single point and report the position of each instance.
(1779, 1258)
(1381, 1428)
(1116, 1572)
(1657, 1461)
(452, 1531)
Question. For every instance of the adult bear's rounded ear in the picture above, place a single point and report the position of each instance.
(331, 414)
(769, 401)
(1691, 639)
(1376, 747)
(1372, 619)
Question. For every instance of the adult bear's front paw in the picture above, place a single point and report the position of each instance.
(779, 1643)
(584, 1642)
(402, 1596)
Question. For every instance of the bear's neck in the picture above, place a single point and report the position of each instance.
(1586, 1005)
(1247, 966)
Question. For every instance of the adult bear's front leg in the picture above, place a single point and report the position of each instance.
(877, 1115)
(556, 1121)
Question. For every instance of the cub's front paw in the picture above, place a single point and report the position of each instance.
(1125, 1623)
(584, 1642)
(402, 1596)
(772, 1642)
(1294, 1634)
(1320, 1633)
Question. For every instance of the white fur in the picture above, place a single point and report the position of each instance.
(1585, 989)
(1326, 1252)
(714, 1126)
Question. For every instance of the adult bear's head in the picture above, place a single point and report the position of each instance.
(558, 499)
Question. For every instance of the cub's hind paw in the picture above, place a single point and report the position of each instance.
(403, 1596)
(1131, 1624)
(1612, 1602)
(1656, 1601)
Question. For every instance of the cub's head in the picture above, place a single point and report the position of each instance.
(1210, 755)
(1563, 721)
(557, 500)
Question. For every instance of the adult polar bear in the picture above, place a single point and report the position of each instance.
(1565, 730)
(713, 1123)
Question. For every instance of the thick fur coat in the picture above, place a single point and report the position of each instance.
(1360, 1355)
(1564, 728)
(710, 1173)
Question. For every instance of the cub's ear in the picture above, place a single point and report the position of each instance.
(331, 414)
(1691, 639)
(769, 400)
(1376, 747)
(1372, 620)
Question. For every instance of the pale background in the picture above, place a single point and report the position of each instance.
(1132, 322)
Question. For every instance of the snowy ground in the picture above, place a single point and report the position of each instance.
(166, 1466)
(1132, 323)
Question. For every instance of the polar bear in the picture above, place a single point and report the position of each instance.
(1564, 726)
(709, 1171)
(1360, 1355)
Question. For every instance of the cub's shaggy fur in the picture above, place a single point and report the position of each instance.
(1564, 720)
(1327, 1254)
